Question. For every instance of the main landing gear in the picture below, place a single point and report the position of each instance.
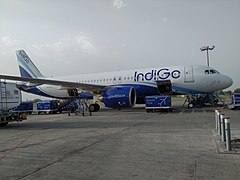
(82, 104)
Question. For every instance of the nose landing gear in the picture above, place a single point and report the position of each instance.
(201, 100)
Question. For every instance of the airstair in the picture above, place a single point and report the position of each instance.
(75, 104)
(83, 107)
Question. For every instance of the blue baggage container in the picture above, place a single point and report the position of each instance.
(157, 102)
(24, 107)
(236, 100)
(47, 106)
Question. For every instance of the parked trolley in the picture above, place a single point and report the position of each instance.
(155, 103)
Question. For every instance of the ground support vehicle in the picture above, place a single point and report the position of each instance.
(26, 107)
(235, 101)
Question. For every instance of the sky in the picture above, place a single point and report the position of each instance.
(86, 36)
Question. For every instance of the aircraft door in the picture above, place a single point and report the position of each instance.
(188, 74)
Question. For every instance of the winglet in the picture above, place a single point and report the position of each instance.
(26, 66)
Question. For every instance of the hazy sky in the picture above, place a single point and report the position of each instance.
(83, 36)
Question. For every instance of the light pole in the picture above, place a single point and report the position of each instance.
(207, 48)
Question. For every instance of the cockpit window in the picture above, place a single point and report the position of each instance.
(211, 71)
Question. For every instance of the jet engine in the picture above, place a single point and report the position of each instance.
(117, 97)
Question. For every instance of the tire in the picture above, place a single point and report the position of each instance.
(92, 108)
(190, 105)
(96, 107)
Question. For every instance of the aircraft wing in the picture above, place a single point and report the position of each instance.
(62, 84)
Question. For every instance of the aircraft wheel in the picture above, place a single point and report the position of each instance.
(190, 105)
(91, 108)
(149, 110)
(96, 107)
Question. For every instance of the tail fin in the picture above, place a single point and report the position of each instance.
(26, 66)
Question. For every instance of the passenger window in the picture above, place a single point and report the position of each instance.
(206, 71)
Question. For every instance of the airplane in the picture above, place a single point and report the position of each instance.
(120, 88)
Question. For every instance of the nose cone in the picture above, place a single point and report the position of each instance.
(227, 81)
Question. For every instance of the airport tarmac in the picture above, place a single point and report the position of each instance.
(113, 144)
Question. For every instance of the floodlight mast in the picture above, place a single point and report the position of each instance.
(207, 48)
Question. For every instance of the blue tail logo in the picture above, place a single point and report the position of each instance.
(26, 67)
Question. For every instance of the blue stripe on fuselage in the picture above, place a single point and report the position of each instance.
(186, 90)
(37, 91)
(181, 89)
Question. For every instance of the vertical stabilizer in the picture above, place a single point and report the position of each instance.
(26, 66)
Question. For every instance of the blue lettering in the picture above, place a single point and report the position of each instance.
(155, 75)
(140, 74)
(149, 76)
(161, 74)
(176, 74)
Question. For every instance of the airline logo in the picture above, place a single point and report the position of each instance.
(161, 74)
(24, 56)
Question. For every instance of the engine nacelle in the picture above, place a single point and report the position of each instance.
(86, 95)
(116, 97)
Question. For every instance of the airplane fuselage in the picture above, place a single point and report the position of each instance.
(195, 79)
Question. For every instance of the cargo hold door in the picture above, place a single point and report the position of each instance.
(164, 87)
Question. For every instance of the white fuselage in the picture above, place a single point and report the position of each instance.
(195, 79)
